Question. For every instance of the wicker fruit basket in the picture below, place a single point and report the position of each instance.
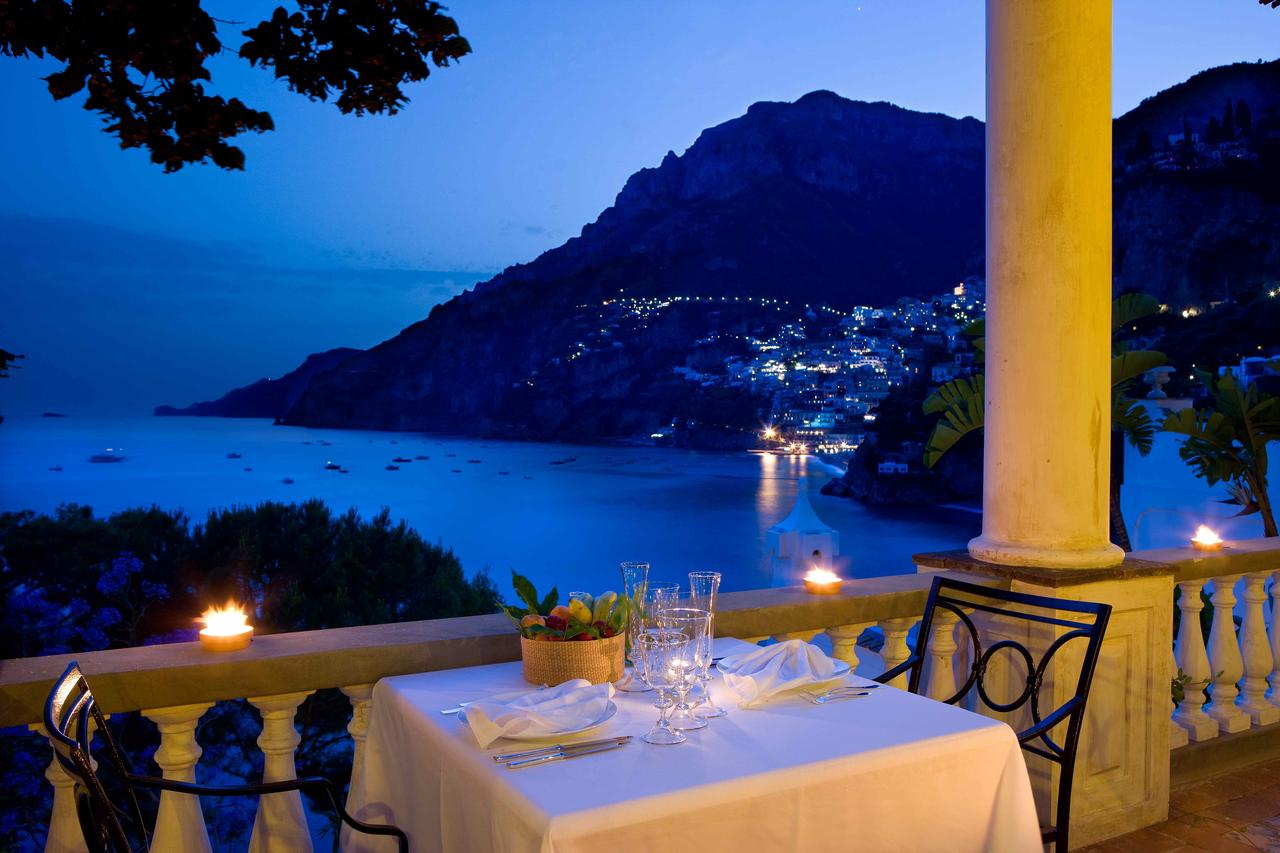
(585, 638)
(553, 663)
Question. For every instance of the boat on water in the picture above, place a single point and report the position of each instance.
(343, 471)
(393, 468)
(233, 455)
(474, 461)
(422, 457)
(450, 455)
(564, 461)
(105, 458)
(288, 481)
(55, 467)
(400, 460)
(503, 473)
(332, 466)
(527, 477)
(455, 471)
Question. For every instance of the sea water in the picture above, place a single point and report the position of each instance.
(562, 514)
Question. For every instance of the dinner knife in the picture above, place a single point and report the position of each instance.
(561, 756)
(558, 747)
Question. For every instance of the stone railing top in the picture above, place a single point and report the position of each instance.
(1137, 564)
(162, 676)
(1236, 558)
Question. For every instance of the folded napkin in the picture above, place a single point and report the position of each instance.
(757, 675)
(538, 713)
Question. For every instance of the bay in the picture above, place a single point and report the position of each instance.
(562, 514)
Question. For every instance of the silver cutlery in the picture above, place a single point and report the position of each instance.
(564, 755)
(544, 750)
(836, 697)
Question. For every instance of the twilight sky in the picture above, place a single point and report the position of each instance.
(127, 287)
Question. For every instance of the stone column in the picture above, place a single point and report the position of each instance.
(361, 696)
(1048, 331)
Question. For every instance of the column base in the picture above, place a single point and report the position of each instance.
(991, 550)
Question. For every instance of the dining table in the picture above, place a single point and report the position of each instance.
(890, 770)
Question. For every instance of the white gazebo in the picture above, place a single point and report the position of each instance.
(800, 541)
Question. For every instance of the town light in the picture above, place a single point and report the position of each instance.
(226, 629)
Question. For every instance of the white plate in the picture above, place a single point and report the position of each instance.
(842, 669)
(609, 711)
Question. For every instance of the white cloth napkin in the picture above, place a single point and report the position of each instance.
(761, 673)
(538, 713)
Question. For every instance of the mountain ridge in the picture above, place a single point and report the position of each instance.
(823, 200)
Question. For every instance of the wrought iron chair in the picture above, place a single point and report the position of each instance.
(70, 715)
(961, 599)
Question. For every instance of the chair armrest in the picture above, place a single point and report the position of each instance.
(890, 674)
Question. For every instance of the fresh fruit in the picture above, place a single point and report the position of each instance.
(604, 605)
(532, 619)
(584, 636)
(560, 612)
(579, 612)
(556, 623)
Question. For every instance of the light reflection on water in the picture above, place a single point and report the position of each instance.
(568, 524)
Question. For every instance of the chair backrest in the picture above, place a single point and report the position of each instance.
(71, 716)
(1070, 621)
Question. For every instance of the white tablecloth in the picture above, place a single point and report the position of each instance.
(890, 771)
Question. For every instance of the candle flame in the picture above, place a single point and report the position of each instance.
(822, 576)
(1206, 536)
(224, 621)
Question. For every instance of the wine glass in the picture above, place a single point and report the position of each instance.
(654, 653)
(703, 588)
(635, 580)
(658, 596)
(687, 665)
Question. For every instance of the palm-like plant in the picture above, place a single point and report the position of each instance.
(961, 404)
(1228, 442)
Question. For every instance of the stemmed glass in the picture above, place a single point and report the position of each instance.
(687, 665)
(635, 581)
(703, 587)
(658, 596)
(654, 652)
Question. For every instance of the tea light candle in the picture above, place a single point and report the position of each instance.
(1206, 539)
(226, 629)
(822, 582)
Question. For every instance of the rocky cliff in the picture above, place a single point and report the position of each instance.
(266, 398)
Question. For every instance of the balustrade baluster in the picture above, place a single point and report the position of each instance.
(844, 643)
(941, 669)
(1177, 734)
(1273, 694)
(1189, 652)
(807, 636)
(281, 822)
(64, 827)
(1255, 653)
(895, 649)
(179, 821)
(1224, 659)
(361, 696)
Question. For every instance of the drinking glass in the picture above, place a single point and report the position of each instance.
(635, 581)
(658, 596)
(703, 588)
(654, 653)
(687, 665)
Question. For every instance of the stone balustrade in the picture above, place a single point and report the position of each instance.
(1230, 680)
(1234, 677)
(174, 685)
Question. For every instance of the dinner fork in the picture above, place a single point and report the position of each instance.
(835, 696)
